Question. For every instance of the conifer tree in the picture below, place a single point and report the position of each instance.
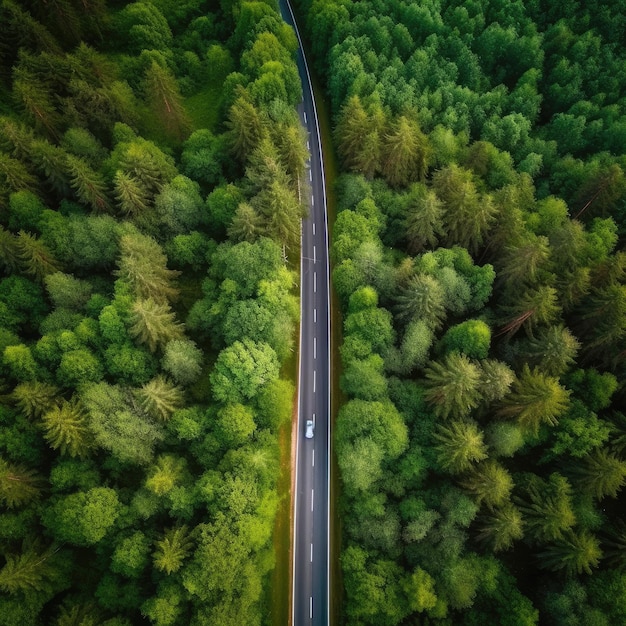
(574, 554)
(499, 528)
(459, 446)
(132, 198)
(246, 224)
(172, 549)
(601, 474)
(154, 324)
(245, 128)
(452, 386)
(18, 485)
(31, 570)
(66, 429)
(490, 484)
(88, 185)
(35, 257)
(34, 398)
(160, 398)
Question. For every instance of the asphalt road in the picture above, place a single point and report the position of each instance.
(310, 602)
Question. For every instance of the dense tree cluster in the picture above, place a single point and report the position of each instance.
(146, 307)
(480, 271)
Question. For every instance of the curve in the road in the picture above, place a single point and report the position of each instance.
(311, 535)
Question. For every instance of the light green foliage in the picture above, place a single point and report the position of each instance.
(242, 370)
(236, 424)
(172, 549)
(423, 299)
(143, 266)
(83, 518)
(419, 588)
(159, 398)
(118, 424)
(472, 338)
(35, 398)
(496, 379)
(67, 292)
(144, 27)
(20, 362)
(373, 326)
(364, 379)
(179, 207)
(66, 429)
(131, 555)
(490, 484)
(154, 324)
(78, 367)
(501, 527)
(452, 385)
(31, 570)
(574, 554)
(504, 438)
(459, 445)
(553, 350)
(183, 360)
(535, 399)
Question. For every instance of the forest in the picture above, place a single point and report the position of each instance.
(479, 264)
(150, 162)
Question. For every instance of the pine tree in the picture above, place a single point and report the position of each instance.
(282, 214)
(601, 474)
(351, 131)
(35, 99)
(172, 550)
(14, 176)
(245, 128)
(154, 324)
(9, 251)
(422, 298)
(452, 386)
(536, 305)
(50, 161)
(405, 152)
(459, 446)
(143, 265)
(160, 398)
(164, 96)
(246, 224)
(66, 429)
(291, 144)
(131, 196)
(35, 398)
(536, 399)
(35, 257)
(547, 507)
(522, 263)
(18, 485)
(496, 379)
(489, 483)
(574, 554)
(31, 570)
(499, 528)
(424, 219)
(165, 474)
(553, 350)
(88, 185)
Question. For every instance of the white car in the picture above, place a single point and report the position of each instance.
(309, 429)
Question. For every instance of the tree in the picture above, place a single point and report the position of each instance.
(405, 152)
(35, 99)
(203, 155)
(166, 474)
(535, 306)
(459, 445)
(452, 386)
(35, 398)
(79, 366)
(489, 483)
(31, 570)
(419, 588)
(183, 360)
(536, 399)
(423, 223)
(143, 266)
(242, 370)
(500, 528)
(423, 298)
(67, 292)
(118, 424)
(467, 215)
(154, 324)
(83, 518)
(18, 485)
(525, 262)
(574, 554)
(20, 362)
(161, 89)
(547, 507)
(159, 398)
(130, 556)
(236, 424)
(88, 184)
(34, 256)
(364, 378)
(245, 128)
(246, 224)
(66, 429)
(172, 549)
(291, 144)
(131, 196)
(601, 474)
(471, 338)
(553, 350)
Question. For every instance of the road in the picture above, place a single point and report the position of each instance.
(311, 580)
